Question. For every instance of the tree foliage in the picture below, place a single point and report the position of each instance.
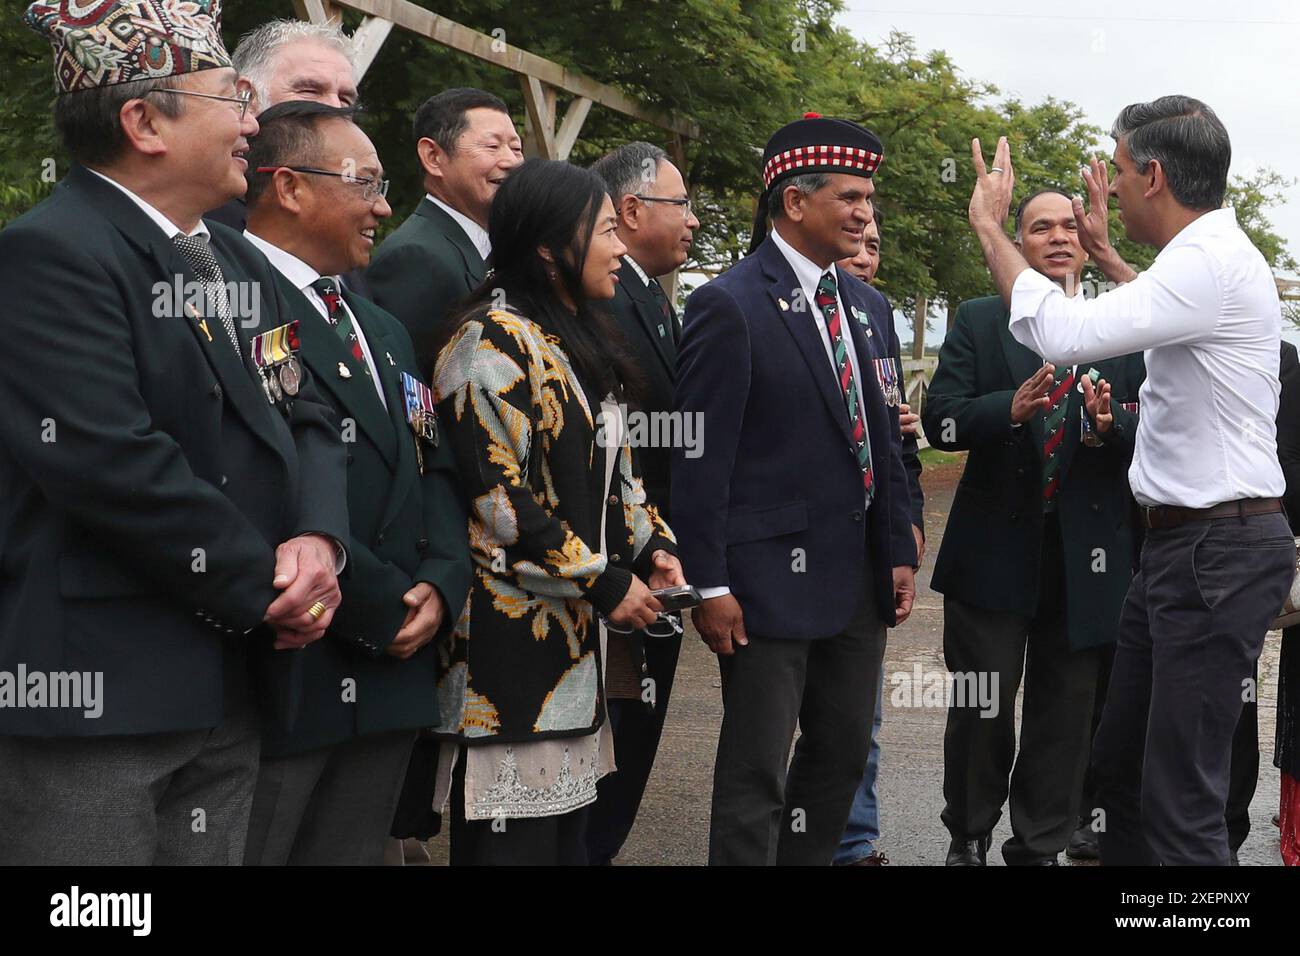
(740, 68)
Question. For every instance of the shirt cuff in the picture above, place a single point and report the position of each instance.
(707, 593)
(1028, 293)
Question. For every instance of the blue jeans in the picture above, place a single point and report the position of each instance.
(863, 829)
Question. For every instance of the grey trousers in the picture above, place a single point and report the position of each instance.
(764, 813)
(166, 799)
(328, 807)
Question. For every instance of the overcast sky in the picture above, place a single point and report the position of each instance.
(1242, 58)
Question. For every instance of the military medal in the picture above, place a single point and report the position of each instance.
(277, 365)
(291, 376)
(1087, 434)
(420, 414)
(885, 375)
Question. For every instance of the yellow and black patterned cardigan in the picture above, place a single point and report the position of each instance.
(523, 662)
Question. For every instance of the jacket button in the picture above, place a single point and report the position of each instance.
(422, 544)
(857, 516)
(224, 480)
(615, 558)
(612, 499)
(1095, 507)
(1020, 472)
(216, 391)
(380, 539)
(349, 459)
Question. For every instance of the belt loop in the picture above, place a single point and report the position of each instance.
(1241, 510)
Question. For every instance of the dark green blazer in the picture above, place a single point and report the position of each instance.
(422, 272)
(991, 549)
(406, 527)
(145, 479)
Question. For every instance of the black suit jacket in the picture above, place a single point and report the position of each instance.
(1288, 432)
(651, 339)
(145, 478)
(774, 507)
(406, 527)
(422, 273)
(992, 547)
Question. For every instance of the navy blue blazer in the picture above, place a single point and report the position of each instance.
(773, 507)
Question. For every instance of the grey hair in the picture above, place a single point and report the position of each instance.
(806, 183)
(254, 55)
(632, 168)
(90, 121)
(1189, 141)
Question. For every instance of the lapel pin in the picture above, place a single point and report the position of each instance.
(868, 330)
(390, 359)
(344, 371)
(203, 323)
(785, 306)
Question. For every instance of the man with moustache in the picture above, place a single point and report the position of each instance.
(161, 523)
(466, 144)
(858, 844)
(290, 60)
(1036, 556)
(1218, 558)
(802, 559)
(656, 225)
(327, 788)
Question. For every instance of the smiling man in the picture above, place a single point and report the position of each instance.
(794, 521)
(164, 516)
(466, 144)
(327, 788)
(1036, 556)
(286, 60)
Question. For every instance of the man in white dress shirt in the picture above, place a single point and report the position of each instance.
(1218, 557)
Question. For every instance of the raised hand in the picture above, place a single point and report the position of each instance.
(991, 200)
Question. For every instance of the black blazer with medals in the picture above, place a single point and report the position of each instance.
(422, 272)
(145, 479)
(991, 551)
(406, 527)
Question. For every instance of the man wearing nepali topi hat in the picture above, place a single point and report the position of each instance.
(158, 429)
(794, 521)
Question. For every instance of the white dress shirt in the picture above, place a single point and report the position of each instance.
(477, 234)
(302, 276)
(809, 275)
(1207, 317)
(169, 228)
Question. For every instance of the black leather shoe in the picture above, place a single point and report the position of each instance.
(968, 852)
(1085, 843)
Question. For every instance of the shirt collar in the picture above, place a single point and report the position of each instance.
(289, 265)
(169, 228)
(1214, 221)
(636, 267)
(806, 271)
(476, 233)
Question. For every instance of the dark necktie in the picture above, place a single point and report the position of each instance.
(328, 289)
(840, 345)
(199, 255)
(1054, 429)
(661, 299)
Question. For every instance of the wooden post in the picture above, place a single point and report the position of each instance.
(540, 102)
(918, 327)
(317, 11)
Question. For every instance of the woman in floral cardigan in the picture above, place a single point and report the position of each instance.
(530, 385)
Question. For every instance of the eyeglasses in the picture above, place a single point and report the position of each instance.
(371, 189)
(684, 203)
(665, 625)
(242, 98)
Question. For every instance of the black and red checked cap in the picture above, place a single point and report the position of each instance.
(820, 144)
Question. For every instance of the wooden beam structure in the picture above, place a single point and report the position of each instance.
(541, 78)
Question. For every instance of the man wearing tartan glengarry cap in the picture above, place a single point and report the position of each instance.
(802, 558)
